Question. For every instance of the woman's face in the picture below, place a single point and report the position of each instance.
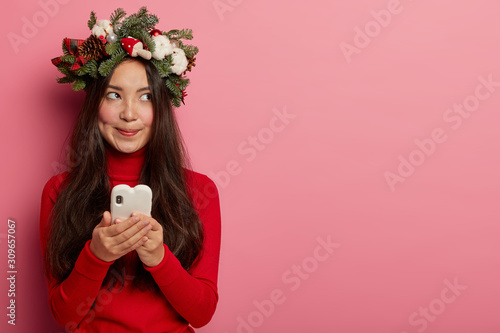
(126, 111)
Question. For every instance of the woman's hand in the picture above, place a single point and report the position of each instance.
(110, 242)
(152, 251)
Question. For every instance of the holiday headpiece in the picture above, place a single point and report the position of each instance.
(111, 41)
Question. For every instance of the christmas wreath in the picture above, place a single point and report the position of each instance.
(113, 40)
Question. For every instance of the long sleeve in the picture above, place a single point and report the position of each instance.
(193, 293)
(70, 300)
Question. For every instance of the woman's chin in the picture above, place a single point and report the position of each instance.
(127, 148)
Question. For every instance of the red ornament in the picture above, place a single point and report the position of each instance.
(155, 32)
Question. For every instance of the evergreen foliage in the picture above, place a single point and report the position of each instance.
(113, 48)
(136, 25)
(65, 49)
(117, 15)
(66, 79)
(107, 65)
(190, 50)
(92, 21)
(163, 67)
(79, 84)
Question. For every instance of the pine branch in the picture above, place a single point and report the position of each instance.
(176, 101)
(169, 61)
(186, 34)
(79, 84)
(117, 15)
(92, 68)
(183, 83)
(66, 79)
(145, 38)
(150, 22)
(69, 58)
(92, 21)
(65, 48)
(82, 71)
(172, 34)
(113, 48)
(142, 11)
(64, 70)
(173, 88)
(107, 66)
(141, 20)
(180, 34)
(162, 66)
(190, 51)
(179, 81)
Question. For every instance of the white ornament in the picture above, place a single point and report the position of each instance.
(163, 47)
(98, 31)
(112, 38)
(102, 28)
(179, 61)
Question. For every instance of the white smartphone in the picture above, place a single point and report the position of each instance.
(125, 200)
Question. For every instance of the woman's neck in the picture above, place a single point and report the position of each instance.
(124, 167)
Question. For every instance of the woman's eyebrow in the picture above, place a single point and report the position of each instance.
(114, 87)
(121, 89)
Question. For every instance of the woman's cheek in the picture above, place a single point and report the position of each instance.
(148, 117)
(105, 113)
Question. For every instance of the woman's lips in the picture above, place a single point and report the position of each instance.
(127, 132)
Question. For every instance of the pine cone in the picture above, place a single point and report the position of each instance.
(190, 64)
(92, 48)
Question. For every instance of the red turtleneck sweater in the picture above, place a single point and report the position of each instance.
(186, 298)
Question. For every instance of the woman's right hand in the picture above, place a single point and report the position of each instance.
(110, 242)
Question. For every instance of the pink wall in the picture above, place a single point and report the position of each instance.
(369, 125)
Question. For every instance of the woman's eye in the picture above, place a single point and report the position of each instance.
(146, 97)
(113, 95)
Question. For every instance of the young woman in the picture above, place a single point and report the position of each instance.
(153, 273)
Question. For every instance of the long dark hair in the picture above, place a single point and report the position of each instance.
(85, 192)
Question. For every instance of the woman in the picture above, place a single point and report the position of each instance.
(153, 273)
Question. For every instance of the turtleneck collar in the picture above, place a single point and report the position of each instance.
(125, 168)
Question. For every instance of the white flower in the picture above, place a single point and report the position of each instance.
(98, 31)
(162, 47)
(179, 61)
(102, 28)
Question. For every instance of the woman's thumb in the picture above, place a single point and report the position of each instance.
(106, 219)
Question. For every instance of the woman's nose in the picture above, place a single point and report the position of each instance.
(129, 112)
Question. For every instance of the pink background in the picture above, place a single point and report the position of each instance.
(356, 116)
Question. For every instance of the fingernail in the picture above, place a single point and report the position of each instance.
(118, 221)
(145, 222)
(148, 228)
(136, 219)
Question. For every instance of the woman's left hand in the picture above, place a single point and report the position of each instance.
(152, 251)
